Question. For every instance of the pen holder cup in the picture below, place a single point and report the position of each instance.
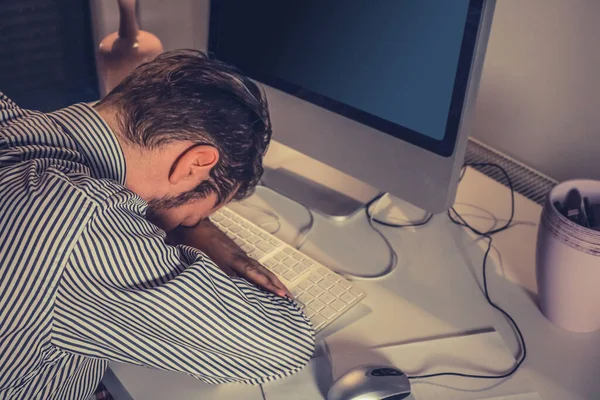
(568, 263)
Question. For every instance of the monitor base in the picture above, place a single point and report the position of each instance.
(317, 186)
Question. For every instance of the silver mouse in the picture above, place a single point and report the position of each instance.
(370, 383)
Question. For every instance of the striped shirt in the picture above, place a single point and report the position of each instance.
(85, 278)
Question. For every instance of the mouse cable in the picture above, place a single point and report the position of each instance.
(391, 267)
(456, 218)
(263, 210)
(306, 230)
(302, 234)
(389, 224)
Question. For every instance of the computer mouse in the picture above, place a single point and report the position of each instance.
(370, 383)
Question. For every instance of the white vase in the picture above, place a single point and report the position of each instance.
(568, 263)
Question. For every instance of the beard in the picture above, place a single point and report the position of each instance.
(157, 211)
(157, 208)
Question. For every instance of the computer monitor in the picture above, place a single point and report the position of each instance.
(382, 90)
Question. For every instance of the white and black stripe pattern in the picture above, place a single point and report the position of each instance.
(84, 278)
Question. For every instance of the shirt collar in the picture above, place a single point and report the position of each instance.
(94, 139)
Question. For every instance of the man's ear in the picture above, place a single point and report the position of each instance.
(193, 166)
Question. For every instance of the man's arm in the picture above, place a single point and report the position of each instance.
(127, 296)
(227, 255)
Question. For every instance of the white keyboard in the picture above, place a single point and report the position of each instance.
(323, 294)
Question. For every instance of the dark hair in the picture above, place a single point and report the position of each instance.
(188, 95)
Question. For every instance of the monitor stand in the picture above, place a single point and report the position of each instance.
(313, 184)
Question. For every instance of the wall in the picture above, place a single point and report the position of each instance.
(539, 99)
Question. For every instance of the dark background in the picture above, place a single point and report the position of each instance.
(47, 53)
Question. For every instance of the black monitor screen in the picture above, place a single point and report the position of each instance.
(400, 66)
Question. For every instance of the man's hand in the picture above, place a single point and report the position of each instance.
(255, 272)
(228, 256)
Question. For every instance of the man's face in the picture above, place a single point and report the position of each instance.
(188, 214)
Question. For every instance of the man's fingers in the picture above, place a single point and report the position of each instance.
(270, 282)
(264, 278)
(275, 281)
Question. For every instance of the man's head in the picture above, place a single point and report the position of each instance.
(194, 131)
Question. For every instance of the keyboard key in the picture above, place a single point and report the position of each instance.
(280, 256)
(296, 291)
(317, 320)
(345, 284)
(335, 277)
(264, 246)
(327, 298)
(315, 291)
(217, 217)
(235, 218)
(289, 250)
(305, 298)
(280, 269)
(238, 241)
(226, 223)
(247, 248)
(235, 228)
(227, 213)
(328, 312)
(253, 239)
(323, 272)
(230, 235)
(356, 291)
(244, 234)
(336, 290)
(308, 262)
(300, 268)
(316, 278)
(328, 274)
(305, 285)
(274, 242)
(290, 275)
(264, 235)
(245, 225)
(270, 263)
(298, 256)
(348, 297)
(256, 254)
(326, 283)
(309, 311)
(317, 305)
(337, 305)
(290, 262)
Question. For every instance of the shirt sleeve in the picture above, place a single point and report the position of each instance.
(9, 111)
(128, 296)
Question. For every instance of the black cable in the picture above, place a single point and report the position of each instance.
(456, 218)
(425, 220)
(463, 170)
(462, 222)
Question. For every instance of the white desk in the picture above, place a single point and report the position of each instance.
(433, 293)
